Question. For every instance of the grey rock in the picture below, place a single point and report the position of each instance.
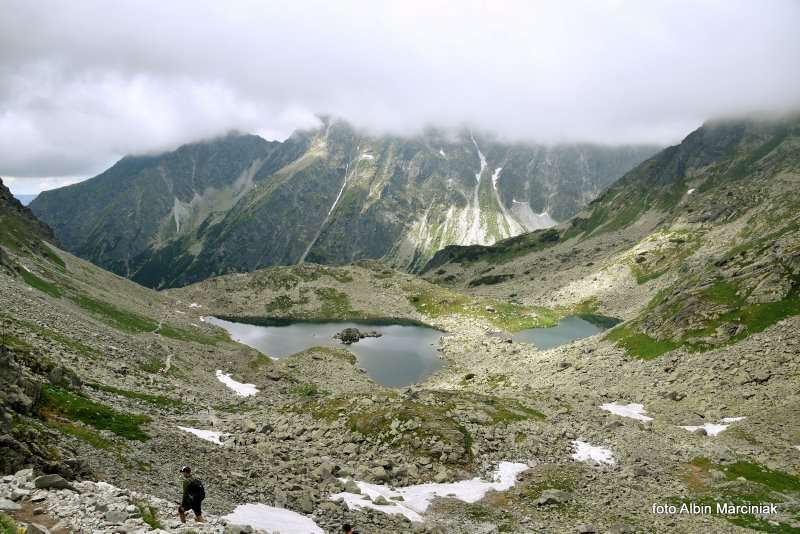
(52, 482)
(238, 529)
(8, 505)
(115, 516)
(585, 528)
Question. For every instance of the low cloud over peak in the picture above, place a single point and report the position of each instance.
(84, 83)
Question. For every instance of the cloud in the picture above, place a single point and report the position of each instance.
(82, 83)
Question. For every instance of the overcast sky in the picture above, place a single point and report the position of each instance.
(83, 83)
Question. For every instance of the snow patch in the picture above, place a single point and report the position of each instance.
(530, 219)
(690, 191)
(797, 447)
(416, 499)
(208, 435)
(441, 153)
(496, 176)
(272, 519)
(243, 390)
(712, 429)
(633, 410)
(367, 156)
(585, 452)
(731, 419)
(195, 305)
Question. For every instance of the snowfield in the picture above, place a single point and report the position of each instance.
(712, 429)
(208, 435)
(416, 499)
(272, 519)
(243, 390)
(584, 452)
(633, 410)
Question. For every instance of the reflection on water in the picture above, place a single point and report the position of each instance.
(403, 355)
(569, 329)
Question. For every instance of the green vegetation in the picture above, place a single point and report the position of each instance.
(550, 476)
(438, 302)
(259, 360)
(775, 480)
(723, 292)
(428, 423)
(151, 365)
(491, 279)
(56, 402)
(333, 303)
(42, 285)
(83, 433)
(156, 400)
(284, 303)
(148, 514)
(7, 524)
(638, 344)
(307, 390)
(116, 317)
(748, 483)
(194, 336)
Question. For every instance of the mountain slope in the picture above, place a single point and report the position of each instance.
(708, 232)
(331, 195)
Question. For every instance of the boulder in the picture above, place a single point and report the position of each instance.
(553, 496)
(52, 482)
(7, 505)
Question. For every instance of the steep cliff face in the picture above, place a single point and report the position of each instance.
(329, 195)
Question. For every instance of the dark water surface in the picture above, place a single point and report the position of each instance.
(403, 355)
(569, 329)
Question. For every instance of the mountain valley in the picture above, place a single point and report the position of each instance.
(690, 261)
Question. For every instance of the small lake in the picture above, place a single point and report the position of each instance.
(568, 329)
(403, 355)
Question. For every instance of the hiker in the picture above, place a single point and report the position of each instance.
(193, 495)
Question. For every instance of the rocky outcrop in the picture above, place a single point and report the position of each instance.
(353, 335)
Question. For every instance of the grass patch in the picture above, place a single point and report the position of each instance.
(83, 433)
(723, 292)
(775, 480)
(116, 317)
(148, 514)
(510, 317)
(57, 402)
(151, 365)
(307, 390)
(333, 303)
(183, 334)
(638, 344)
(7, 524)
(42, 285)
(156, 400)
(259, 360)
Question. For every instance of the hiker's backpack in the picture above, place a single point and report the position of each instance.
(196, 490)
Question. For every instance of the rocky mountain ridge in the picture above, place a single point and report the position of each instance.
(330, 195)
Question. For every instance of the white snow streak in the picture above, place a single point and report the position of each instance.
(495, 176)
(195, 305)
(208, 435)
(272, 519)
(243, 390)
(712, 429)
(441, 153)
(584, 452)
(416, 499)
(633, 410)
